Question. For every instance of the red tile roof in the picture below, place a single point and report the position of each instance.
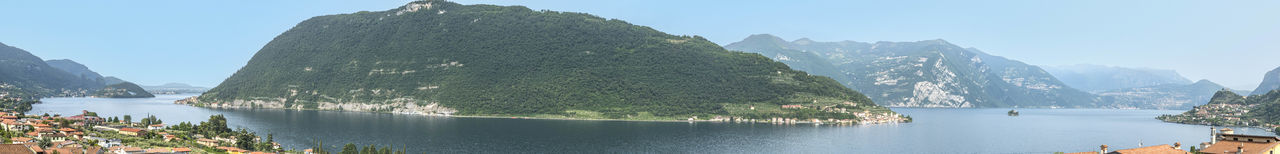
(15, 149)
(1229, 146)
(130, 129)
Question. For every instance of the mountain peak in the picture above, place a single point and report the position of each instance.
(802, 41)
(763, 37)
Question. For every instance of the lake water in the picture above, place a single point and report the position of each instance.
(934, 131)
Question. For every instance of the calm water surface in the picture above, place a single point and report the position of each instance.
(934, 131)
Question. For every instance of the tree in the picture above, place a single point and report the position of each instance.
(244, 140)
(350, 149)
(128, 119)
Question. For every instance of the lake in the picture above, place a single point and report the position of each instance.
(934, 130)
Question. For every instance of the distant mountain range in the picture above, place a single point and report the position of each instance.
(1098, 78)
(931, 73)
(25, 75)
(438, 57)
(1270, 81)
(175, 88)
(1166, 96)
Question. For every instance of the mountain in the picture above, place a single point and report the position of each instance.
(1270, 81)
(931, 73)
(436, 57)
(29, 74)
(123, 90)
(76, 69)
(1167, 96)
(1098, 78)
(174, 88)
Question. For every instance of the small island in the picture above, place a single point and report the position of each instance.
(123, 90)
(1013, 112)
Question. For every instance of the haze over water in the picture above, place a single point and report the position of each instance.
(933, 131)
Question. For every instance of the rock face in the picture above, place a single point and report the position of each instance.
(1167, 96)
(932, 73)
(1098, 78)
(29, 74)
(436, 57)
(1270, 82)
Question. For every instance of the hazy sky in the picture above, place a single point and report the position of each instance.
(203, 42)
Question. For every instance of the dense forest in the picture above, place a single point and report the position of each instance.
(511, 60)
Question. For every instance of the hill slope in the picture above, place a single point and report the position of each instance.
(435, 57)
(77, 69)
(932, 73)
(31, 75)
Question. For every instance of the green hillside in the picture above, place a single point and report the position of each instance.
(437, 57)
(123, 90)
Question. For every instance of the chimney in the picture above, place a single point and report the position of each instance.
(1177, 145)
(1240, 149)
(1104, 149)
(1227, 131)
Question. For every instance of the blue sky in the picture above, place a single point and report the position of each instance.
(203, 42)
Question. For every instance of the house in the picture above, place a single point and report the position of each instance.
(169, 138)
(231, 139)
(207, 142)
(234, 150)
(181, 150)
(15, 149)
(124, 150)
(20, 140)
(155, 127)
(1157, 149)
(11, 125)
(130, 131)
(792, 106)
(1226, 141)
(54, 137)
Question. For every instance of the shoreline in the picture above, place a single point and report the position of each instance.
(779, 121)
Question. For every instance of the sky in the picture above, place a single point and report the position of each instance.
(203, 42)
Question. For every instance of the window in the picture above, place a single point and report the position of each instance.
(1250, 140)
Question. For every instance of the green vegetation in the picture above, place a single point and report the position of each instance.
(123, 90)
(16, 105)
(499, 60)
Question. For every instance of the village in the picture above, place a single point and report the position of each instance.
(87, 133)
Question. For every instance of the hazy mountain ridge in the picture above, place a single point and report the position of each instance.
(1098, 78)
(174, 88)
(1167, 96)
(1270, 81)
(435, 57)
(931, 73)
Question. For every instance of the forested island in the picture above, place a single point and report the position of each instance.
(442, 58)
